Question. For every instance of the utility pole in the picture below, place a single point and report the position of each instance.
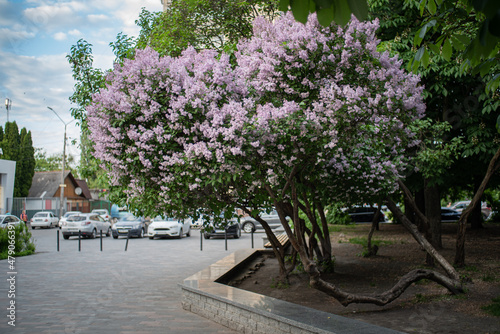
(62, 185)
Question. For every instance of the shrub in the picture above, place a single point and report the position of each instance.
(23, 242)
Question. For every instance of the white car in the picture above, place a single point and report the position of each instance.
(66, 215)
(89, 225)
(6, 220)
(104, 213)
(44, 219)
(169, 227)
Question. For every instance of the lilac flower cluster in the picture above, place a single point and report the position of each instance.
(320, 100)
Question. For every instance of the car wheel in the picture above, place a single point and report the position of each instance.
(181, 234)
(248, 227)
(108, 233)
(33, 227)
(141, 233)
(238, 234)
(151, 238)
(94, 234)
(206, 236)
(66, 237)
(189, 233)
(115, 237)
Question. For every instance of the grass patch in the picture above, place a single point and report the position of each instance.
(279, 284)
(493, 308)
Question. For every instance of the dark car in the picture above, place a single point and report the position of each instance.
(449, 215)
(232, 229)
(129, 225)
(364, 214)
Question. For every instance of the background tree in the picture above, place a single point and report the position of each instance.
(18, 146)
(44, 163)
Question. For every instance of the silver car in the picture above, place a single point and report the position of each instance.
(89, 225)
(248, 224)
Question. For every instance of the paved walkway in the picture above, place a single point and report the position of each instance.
(113, 291)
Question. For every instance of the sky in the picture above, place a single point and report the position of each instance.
(35, 37)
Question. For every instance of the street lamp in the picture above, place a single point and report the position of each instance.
(63, 164)
(8, 106)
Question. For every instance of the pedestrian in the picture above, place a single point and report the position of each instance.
(24, 217)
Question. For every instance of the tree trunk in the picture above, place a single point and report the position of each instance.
(476, 217)
(476, 200)
(372, 251)
(433, 213)
(450, 271)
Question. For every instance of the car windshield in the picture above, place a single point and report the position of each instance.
(167, 219)
(67, 214)
(100, 212)
(41, 214)
(129, 218)
(76, 218)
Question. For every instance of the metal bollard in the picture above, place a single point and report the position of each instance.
(79, 240)
(101, 240)
(201, 239)
(126, 243)
(252, 238)
(225, 236)
(58, 240)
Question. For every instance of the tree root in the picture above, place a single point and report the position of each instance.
(388, 296)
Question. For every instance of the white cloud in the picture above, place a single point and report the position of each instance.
(60, 36)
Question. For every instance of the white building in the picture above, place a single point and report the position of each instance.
(7, 178)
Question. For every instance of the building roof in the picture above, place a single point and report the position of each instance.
(46, 184)
(85, 188)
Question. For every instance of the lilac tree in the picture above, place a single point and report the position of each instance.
(299, 116)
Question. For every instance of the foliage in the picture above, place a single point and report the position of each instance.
(335, 215)
(18, 146)
(24, 244)
(202, 24)
(201, 133)
(327, 10)
(44, 163)
(493, 308)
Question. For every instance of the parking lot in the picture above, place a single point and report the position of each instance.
(109, 291)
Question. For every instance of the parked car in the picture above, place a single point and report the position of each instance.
(461, 205)
(44, 219)
(248, 224)
(89, 224)
(449, 215)
(104, 213)
(66, 215)
(6, 220)
(129, 225)
(233, 229)
(163, 227)
(364, 214)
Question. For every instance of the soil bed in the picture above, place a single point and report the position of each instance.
(424, 308)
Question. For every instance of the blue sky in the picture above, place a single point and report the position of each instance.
(35, 37)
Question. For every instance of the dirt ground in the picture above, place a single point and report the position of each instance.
(424, 308)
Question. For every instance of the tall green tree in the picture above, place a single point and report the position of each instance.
(18, 146)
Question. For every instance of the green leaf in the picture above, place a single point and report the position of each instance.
(323, 4)
(419, 53)
(423, 3)
(325, 16)
(342, 12)
(447, 49)
(284, 4)
(498, 123)
(431, 6)
(359, 9)
(425, 58)
(434, 48)
(300, 10)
